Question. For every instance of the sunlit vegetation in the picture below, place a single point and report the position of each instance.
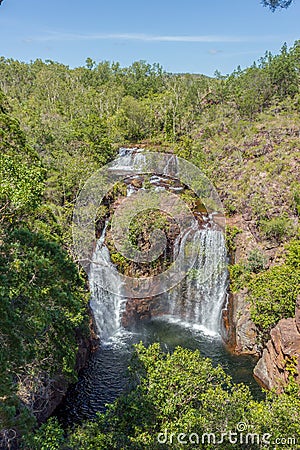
(180, 393)
(58, 125)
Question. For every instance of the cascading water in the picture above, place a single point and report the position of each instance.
(197, 301)
(107, 307)
(210, 279)
(191, 314)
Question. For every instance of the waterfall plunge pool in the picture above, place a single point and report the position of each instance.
(104, 377)
(194, 309)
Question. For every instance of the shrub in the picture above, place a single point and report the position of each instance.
(231, 233)
(179, 393)
(273, 293)
(50, 436)
(256, 261)
(277, 228)
(239, 277)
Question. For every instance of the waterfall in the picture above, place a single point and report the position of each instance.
(199, 299)
(107, 307)
(211, 279)
(196, 302)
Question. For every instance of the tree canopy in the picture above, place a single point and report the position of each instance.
(57, 126)
(180, 401)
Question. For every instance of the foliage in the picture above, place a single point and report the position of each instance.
(273, 293)
(140, 236)
(57, 126)
(41, 299)
(42, 296)
(277, 228)
(274, 4)
(239, 276)
(241, 273)
(21, 176)
(231, 233)
(146, 223)
(237, 128)
(183, 393)
(256, 261)
(251, 90)
(50, 436)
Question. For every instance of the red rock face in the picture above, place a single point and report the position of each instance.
(297, 315)
(282, 352)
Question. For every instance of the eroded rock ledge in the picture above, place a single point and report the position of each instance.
(281, 357)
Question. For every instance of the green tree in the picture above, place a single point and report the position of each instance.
(275, 4)
(177, 396)
(21, 175)
(42, 296)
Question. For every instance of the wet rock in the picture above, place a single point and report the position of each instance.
(86, 345)
(138, 310)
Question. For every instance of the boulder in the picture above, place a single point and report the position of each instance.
(281, 357)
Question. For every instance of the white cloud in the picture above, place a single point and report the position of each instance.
(57, 36)
(214, 51)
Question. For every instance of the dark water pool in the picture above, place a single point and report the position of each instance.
(104, 378)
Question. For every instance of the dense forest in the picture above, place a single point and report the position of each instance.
(58, 125)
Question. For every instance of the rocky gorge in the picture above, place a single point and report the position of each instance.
(279, 357)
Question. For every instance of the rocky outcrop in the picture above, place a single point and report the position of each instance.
(86, 345)
(136, 310)
(241, 331)
(281, 357)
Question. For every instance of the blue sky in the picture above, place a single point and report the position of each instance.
(197, 36)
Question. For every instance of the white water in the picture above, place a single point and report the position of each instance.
(107, 307)
(196, 302)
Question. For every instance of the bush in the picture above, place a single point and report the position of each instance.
(180, 393)
(273, 293)
(239, 277)
(42, 302)
(256, 261)
(240, 274)
(231, 233)
(50, 436)
(278, 228)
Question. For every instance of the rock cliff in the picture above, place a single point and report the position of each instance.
(281, 356)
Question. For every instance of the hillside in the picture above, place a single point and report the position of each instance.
(58, 125)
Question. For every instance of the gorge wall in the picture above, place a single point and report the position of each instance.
(281, 357)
